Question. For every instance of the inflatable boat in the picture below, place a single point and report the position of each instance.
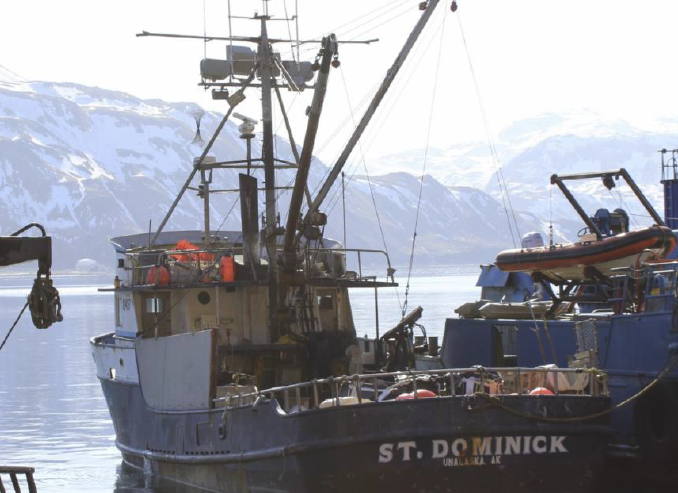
(569, 262)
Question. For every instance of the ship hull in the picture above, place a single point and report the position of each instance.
(451, 444)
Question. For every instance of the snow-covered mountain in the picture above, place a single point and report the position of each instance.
(90, 163)
(531, 150)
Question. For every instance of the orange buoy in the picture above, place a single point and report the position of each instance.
(421, 394)
(186, 245)
(158, 275)
(541, 391)
(227, 268)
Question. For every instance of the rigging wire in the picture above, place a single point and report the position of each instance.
(230, 35)
(339, 128)
(364, 101)
(423, 171)
(550, 216)
(339, 28)
(503, 189)
(627, 209)
(341, 34)
(289, 33)
(204, 28)
(390, 103)
(4, 341)
(377, 17)
(296, 22)
(367, 174)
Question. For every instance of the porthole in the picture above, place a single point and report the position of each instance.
(204, 297)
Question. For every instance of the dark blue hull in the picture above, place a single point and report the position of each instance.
(448, 444)
(633, 352)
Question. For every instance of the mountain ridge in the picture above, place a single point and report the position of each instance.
(91, 163)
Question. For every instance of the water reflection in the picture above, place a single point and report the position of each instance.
(53, 415)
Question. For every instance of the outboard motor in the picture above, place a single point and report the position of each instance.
(532, 239)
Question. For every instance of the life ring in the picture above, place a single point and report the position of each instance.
(654, 420)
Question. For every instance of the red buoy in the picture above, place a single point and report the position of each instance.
(227, 269)
(421, 394)
(158, 275)
(541, 391)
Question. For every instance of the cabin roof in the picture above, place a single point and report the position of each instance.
(492, 277)
(124, 243)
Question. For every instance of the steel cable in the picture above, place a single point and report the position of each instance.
(4, 341)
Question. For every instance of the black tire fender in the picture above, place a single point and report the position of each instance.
(655, 420)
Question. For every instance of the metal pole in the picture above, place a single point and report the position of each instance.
(329, 49)
(269, 176)
(381, 92)
(236, 99)
(377, 342)
(343, 203)
(555, 180)
(206, 205)
(293, 145)
(643, 200)
(249, 155)
(296, 15)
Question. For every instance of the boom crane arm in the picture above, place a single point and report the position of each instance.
(43, 301)
(378, 97)
(329, 51)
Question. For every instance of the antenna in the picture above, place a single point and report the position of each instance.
(198, 140)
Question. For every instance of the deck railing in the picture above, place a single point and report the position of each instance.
(14, 472)
(195, 266)
(328, 392)
(658, 280)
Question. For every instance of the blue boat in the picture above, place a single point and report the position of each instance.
(623, 321)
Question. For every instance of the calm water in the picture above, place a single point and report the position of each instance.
(53, 415)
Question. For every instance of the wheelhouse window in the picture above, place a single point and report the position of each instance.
(118, 312)
(154, 305)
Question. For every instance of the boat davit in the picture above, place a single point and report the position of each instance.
(605, 244)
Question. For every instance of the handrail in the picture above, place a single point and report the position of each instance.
(13, 471)
(198, 257)
(358, 251)
(596, 384)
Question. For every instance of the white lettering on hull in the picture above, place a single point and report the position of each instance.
(472, 451)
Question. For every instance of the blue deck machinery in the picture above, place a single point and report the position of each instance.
(627, 326)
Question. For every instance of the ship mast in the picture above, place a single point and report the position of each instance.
(265, 70)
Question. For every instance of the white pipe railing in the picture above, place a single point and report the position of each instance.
(595, 385)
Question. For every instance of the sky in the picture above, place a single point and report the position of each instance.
(612, 57)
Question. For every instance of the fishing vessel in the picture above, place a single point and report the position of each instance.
(234, 363)
(622, 320)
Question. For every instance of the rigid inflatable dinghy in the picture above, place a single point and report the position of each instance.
(606, 243)
(569, 262)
